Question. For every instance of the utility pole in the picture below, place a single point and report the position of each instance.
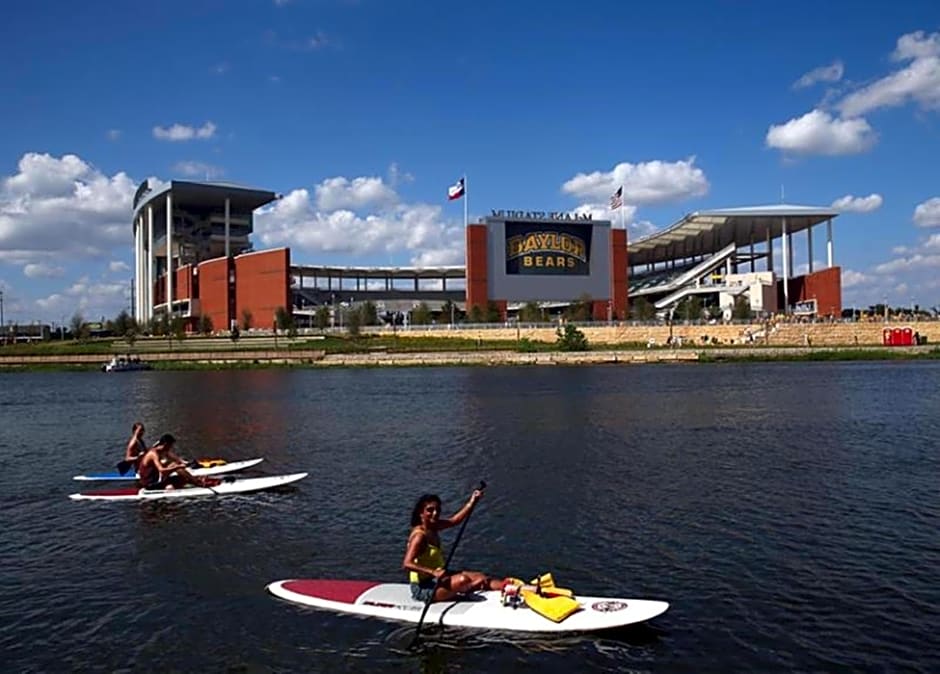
(1, 311)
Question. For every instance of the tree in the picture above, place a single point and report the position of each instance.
(688, 309)
(449, 312)
(570, 339)
(368, 313)
(205, 324)
(530, 312)
(581, 309)
(421, 314)
(642, 309)
(79, 327)
(353, 321)
(248, 319)
(493, 314)
(742, 308)
(160, 325)
(475, 314)
(322, 317)
(178, 328)
(283, 320)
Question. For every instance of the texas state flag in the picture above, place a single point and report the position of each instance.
(455, 191)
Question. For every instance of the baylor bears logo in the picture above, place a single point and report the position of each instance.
(609, 606)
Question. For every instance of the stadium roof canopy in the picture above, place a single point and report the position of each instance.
(707, 232)
(209, 196)
(450, 272)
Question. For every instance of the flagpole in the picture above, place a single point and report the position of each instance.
(466, 201)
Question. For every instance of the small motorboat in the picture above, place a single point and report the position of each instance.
(125, 364)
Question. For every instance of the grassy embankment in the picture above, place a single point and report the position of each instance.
(397, 344)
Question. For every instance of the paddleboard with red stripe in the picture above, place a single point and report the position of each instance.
(217, 469)
(484, 610)
(230, 486)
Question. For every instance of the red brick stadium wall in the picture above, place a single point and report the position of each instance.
(619, 275)
(214, 297)
(183, 283)
(262, 285)
(477, 286)
(824, 286)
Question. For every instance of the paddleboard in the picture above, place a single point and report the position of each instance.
(227, 467)
(484, 610)
(234, 486)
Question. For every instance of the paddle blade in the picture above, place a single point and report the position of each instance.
(124, 466)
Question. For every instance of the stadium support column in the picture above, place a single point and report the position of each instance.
(148, 312)
(770, 250)
(809, 246)
(137, 262)
(169, 254)
(228, 206)
(829, 242)
(784, 239)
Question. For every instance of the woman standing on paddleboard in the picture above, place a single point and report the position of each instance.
(136, 447)
(424, 556)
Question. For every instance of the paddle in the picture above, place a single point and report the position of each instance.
(427, 603)
(127, 464)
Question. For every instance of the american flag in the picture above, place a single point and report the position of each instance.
(616, 199)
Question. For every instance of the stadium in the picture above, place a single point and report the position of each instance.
(193, 258)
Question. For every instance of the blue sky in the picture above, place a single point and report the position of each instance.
(362, 113)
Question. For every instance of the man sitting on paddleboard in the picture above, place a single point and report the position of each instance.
(153, 473)
(424, 557)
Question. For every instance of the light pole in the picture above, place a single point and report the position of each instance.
(1, 311)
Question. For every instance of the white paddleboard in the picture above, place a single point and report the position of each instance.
(235, 486)
(228, 467)
(484, 610)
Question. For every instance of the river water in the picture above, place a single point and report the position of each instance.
(789, 512)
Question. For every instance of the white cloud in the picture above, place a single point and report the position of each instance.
(919, 81)
(180, 132)
(56, 205)
(927, 214)
(817, 132)
(917, 45)
(398, 177)
(339, 193)
(915, 262)
(603, 212)
(932, 243)
(854, 279)
(114, 134)
(299, 221)
(197, 169)
(41, 270)
(116, 266)
(92, 299)
(853, 204)
(650, 182)
(830, 73)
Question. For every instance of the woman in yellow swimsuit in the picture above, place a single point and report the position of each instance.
(424, 557)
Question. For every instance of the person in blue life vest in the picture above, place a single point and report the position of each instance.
(156, 471)
(424, 556)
